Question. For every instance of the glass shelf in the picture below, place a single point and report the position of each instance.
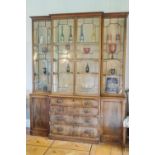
(88, 43)
(83, 73)
(63, 73)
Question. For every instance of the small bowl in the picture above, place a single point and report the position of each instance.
(86, 50)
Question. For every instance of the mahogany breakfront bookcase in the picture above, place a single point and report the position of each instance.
(78, 76)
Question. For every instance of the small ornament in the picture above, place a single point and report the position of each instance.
(45, 70)
(112, 71)
(68, 68)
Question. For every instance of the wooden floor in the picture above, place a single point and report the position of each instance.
(43, 146)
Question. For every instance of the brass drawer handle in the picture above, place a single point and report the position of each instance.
(88, 132)
(87, 120)
(86, 111)
(59, 129)
(59, 100)
(87, 103)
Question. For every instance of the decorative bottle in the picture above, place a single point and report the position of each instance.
(70, 39)
(62, 35)
(68, 68)
(81, 34)
(45, 70)
(87, 68)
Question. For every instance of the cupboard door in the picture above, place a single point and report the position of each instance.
(113, 60)
(39, 116)
(112, 114)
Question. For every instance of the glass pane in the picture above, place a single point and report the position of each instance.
(63, 31)
(113, 57)
(87, 67)
(88, 30)
(87, 77)
(42, 55)
(86, 84)
(63, 76)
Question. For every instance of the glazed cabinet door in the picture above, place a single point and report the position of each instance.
(41, 45)
(113, 56)
(39, 115)
(112, 115)
(88, 40)
(63, 55)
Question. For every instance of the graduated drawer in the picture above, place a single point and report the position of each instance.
(86, 103)
(85, 121)
(73, 111)
(85, 111)
(61, 129)
(62, 101)
(85, 132)
(61, 119)
(61, 110)
(90, 103)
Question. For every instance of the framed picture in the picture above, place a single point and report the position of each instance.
(112, 84)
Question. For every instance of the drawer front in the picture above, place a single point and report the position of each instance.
(85, 121)
(86, 132)
(62, 101)
(73, 111)
(86, 111)
(90, 103)
(56, 110)
(61, 119)
(61, 129)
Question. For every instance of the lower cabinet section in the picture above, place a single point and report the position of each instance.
(74, 118)
(91, 120)
(39, 115)
(112, 115)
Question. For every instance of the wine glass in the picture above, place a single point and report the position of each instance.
(112, 49)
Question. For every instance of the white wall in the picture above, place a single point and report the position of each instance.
(45, 7)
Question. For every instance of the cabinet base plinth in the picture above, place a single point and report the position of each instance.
(75, 139)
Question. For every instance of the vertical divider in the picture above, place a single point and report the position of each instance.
(52, 53)
(33, 83)
(124, 55)
(100, 56)
(75, 56)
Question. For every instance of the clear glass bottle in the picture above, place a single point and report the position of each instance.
(81, 34)
(68, 68)
(62, 35)
(87, 68)
(70, 39)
